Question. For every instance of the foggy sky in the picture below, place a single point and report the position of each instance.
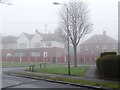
(29, 15)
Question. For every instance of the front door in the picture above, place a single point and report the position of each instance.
(53, 59)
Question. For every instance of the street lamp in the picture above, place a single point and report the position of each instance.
(56, 3)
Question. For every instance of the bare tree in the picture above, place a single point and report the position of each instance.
(60, 33)
(8, 2)
(78, 23)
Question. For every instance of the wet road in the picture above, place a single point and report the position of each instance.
(21, 82)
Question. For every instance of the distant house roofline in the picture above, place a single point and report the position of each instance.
(99, 38)
(45, 37)
(9, 39)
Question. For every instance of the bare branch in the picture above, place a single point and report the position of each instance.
(78, 21)
(8, 2)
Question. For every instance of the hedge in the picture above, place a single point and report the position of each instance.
(107, 53)
(109, 66)
(98, 64)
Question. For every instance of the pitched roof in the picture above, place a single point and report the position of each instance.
(9, 39)
(41, 34)
(51, 37)
(98, 39)
(29, 36)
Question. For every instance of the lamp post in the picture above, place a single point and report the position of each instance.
(56, 3)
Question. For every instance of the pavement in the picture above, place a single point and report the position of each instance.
(91, 73)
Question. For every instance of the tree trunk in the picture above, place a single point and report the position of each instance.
(75, 56)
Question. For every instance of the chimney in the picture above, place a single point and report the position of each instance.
(104, 33)
(36, 31)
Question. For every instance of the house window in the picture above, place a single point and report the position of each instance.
(48, 44)
(20, 54)
(104, 47)
(4, 46)
(7, 46)
(97, 47)
(37, 45)
(54, 60)
(86, 48)
(114, 47)
(17, 54)
(23, 45)
(35, 54)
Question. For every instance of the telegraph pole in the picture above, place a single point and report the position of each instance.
(68, 57)
(45, 44)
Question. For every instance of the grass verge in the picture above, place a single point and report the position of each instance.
(75, 71)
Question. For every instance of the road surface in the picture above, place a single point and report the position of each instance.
(21, 82)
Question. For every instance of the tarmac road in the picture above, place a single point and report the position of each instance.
(21, 82)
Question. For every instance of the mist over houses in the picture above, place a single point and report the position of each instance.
(39, 47)
(91, 48)
(33, 48)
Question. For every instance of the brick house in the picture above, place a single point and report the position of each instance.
(35, 48)
(91, 48)
(8, 45)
